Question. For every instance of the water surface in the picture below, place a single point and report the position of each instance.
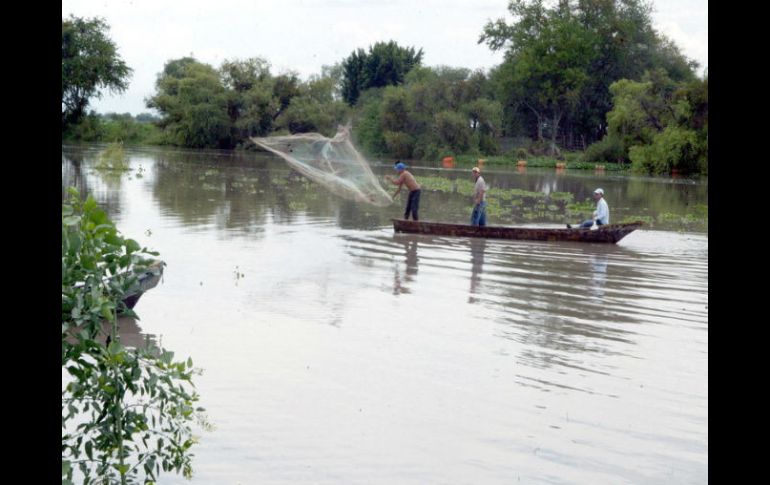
(335, 351)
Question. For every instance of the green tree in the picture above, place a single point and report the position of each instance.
(435, 111)
(314, 109)
(250, 100)
(353, 78)
(548, 62)
(194, 104)
(89, 64)
(386, 64)
(571, 52)
(662, 125)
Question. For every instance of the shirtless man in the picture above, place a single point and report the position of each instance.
(406, 178)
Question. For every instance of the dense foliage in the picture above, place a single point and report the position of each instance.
(436, 112)
(204, 107)
(574, 77)
(561, 58)
(386, 64)
(115, 127)
(126, 413)
(89, 64)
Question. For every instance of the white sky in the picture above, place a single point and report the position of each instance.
(303, 35)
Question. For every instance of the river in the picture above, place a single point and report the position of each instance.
(335, 351)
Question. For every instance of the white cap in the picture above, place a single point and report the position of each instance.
(599, 191)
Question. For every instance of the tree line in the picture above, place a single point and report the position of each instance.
(591, 75)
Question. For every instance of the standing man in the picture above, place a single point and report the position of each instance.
(406, 178)
(601, 214)
(479, 215)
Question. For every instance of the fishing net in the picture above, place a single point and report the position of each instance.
(331, 162)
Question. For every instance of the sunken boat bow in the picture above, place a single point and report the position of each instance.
(146, 280)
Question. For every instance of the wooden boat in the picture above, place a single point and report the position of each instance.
(147, 280)
(610, 233)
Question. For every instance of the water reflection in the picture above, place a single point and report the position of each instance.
(401, 282)
(518, 332)
(130, 334)
(478, 245)
(598, 263)
(238, 192)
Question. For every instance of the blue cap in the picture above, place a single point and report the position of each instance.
(400, 166)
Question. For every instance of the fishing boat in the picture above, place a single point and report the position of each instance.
(609, 233)
(147, 280)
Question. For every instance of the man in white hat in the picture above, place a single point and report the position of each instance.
(601, 214)
(479, 215)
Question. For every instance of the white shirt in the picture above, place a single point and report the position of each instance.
(481, 188)
(602, 211)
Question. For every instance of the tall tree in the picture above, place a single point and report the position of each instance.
(386, 64)
(663, 125)
(587, 43)
(250, 101)
(193, 101)
(89, 64)
(353, 76)
(548, 63)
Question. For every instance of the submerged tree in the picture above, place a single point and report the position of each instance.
(89, 64)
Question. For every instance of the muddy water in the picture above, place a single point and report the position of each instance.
(337, 352)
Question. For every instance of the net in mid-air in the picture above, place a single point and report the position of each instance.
(331, 162)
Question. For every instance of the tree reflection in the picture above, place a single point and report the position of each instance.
(77, 172)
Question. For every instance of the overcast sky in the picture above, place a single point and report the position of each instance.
(303, 35)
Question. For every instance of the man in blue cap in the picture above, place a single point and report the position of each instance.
(406, 178)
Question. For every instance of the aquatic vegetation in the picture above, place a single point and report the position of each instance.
(113, 158)
(648, 220)
(562, 196)
(684, 222)
(298, 206)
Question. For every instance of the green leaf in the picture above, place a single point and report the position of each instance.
(90, 204)
(113, 239)
(132, 246)
(107, 311)
(71, 220)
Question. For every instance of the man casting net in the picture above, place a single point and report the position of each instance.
(332, 162)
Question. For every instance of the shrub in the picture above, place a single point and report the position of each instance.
(607, 150)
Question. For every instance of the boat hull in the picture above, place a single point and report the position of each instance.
(146, 281)
(610, 233)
